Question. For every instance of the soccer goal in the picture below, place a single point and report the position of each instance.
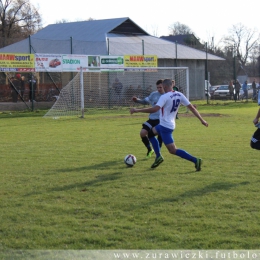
(109, 89)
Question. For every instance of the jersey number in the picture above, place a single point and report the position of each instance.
(175, 105)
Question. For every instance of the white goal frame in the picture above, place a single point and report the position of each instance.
(80, 87)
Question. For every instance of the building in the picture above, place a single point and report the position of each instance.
(119, 36)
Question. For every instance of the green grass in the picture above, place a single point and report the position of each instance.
(64, 185)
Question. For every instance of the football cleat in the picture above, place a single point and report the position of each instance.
(157, 162)
(198, 164)
(149, 154)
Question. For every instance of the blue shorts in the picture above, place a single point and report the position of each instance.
(165, 133)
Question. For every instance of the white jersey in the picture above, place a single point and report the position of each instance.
(169, 104)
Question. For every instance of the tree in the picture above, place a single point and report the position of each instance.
(240, 51)
(62, 21)
(179, 28)
(244, 41)
(18, 19)
(154, 29)
(67, 21)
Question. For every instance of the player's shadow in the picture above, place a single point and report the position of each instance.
(100, 166)
(100, 178)
(214, 187)
(83, 186)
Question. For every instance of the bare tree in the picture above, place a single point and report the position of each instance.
(179, 28)
(244, 41)
(77, 20)
(18, 19)
(62, 21)
(154, 29)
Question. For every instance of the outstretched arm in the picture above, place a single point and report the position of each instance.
(144, 110)
(141, 101)
(197, 114)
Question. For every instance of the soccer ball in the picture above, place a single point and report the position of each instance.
(130, 160)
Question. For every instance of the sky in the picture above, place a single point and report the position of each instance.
(207, 19)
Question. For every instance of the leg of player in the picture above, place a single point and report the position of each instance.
(146, 142)
(255, 143)
(185, 155)
(168, 140)
(156, 146)
(160, 140)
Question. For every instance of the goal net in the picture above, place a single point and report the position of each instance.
(109, 89)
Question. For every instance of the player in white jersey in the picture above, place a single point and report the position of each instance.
(153, 120)
(169, 104)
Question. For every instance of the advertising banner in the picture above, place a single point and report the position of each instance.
(111, 62)
(73, 62)
(48, 62)
(42, 62)
(21, 62)
(140, 61)
(94, 63)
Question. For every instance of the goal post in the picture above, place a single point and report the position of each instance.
(113, 88)
(82, 92)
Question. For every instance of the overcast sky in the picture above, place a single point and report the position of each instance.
(205, 18)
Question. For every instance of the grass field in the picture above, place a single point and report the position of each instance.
(64, 185)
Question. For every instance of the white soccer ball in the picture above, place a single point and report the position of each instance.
(130, 160)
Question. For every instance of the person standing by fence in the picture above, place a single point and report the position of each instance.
(237, 90)
(254, 90)
(22, 86)
(118, 87)
(32, 88)
(231, 89)
(245, 89)
(15, 84)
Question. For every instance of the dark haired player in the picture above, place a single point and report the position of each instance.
(153, 117)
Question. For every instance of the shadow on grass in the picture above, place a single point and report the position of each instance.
(100, 166)
(82, 186)
(85, 185)
(100, 178)
(214, 187)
